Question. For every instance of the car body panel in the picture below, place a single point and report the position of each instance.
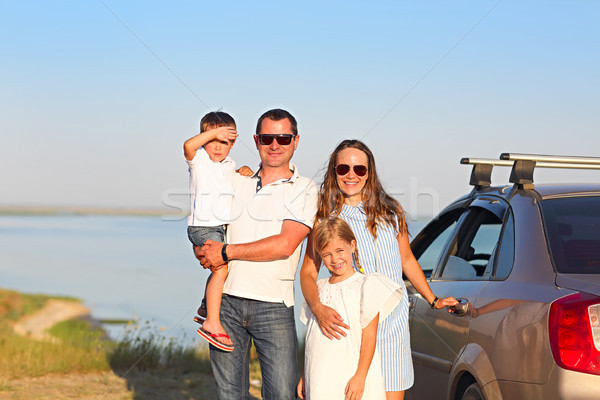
(562, 384)
(586, 189)
(506, 321)
(589, 283)
(502, 342)
(438, 337)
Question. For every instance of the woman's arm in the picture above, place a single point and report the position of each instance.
(414, 273)
(330, 322)
(300, 389)
(356, 384)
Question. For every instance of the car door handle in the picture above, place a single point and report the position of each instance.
(411, 302)
(460, 309)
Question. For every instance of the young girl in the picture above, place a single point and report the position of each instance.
(348, 368)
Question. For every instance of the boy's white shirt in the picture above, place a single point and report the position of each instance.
(211, 190)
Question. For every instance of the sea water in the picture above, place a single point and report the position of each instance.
(121, 267)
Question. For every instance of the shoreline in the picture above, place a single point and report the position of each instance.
(7, 210)
(36, 325)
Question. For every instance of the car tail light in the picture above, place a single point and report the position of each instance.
(574, 330)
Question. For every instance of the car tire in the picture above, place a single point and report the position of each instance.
(473, 392)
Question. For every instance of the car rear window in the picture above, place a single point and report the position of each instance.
(573, 231)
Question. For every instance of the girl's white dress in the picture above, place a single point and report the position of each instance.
(330, 363)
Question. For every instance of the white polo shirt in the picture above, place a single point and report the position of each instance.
(256, 213)
(211, 190)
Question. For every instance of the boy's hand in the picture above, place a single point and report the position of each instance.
(355, 388)
(223, 133)
(245, 171)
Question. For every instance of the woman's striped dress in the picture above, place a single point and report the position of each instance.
(393, 336)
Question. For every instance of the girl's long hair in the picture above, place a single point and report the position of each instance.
(334, 227)
(380, 207)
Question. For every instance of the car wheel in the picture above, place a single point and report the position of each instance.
(473, 392)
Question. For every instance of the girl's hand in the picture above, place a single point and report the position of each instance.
(300, 388)
(445, 302)
(355, 388)
(245, 171)
(330, 322)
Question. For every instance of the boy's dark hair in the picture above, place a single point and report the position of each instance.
(215, 119)
(278, 114)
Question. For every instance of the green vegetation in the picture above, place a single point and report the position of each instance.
(76, 347)
(79, 347)
(153, 365)
(14, 305)
(144, 349)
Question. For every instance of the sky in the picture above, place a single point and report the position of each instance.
(97, 97)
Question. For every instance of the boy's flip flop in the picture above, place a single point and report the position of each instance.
(200, 318)
(211, 338)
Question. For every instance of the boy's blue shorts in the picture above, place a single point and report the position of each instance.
(200, 234)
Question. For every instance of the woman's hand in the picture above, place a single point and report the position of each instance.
(355, 388)
(445, 302)
(300, 388)
(331, 323)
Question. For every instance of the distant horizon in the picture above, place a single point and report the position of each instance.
(31, 209)
(58, 210)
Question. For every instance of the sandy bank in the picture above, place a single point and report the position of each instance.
(35, 326)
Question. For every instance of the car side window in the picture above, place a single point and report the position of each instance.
(473, 252)
(430, 243)
(506, 253)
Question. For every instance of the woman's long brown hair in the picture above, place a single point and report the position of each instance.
(379, 206)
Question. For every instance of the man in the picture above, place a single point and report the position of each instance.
(272, 212)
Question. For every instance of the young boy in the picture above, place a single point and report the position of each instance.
(211, 171)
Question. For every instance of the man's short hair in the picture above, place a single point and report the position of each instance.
(216, 119)
(278, 114)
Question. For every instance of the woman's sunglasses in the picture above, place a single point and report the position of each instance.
(343, 169)
(283, 140)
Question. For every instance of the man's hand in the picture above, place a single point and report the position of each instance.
(330, 322)
(210, 255)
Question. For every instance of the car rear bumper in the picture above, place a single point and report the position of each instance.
(562, 384)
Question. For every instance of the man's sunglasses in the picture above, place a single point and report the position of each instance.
(343, 169)
(283, 140)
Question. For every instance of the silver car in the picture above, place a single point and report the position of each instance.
(524, 261)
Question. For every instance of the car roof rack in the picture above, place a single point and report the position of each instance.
(523, 166)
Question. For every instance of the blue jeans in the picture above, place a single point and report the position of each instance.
(200, 234)
(271, 326)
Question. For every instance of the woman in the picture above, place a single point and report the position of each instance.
(352, 191)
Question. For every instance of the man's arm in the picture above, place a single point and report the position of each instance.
(191, 146)
(276, 247)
